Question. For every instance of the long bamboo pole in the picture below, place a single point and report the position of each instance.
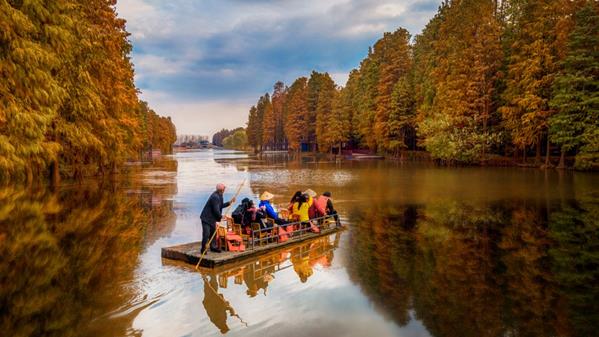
(215, 230)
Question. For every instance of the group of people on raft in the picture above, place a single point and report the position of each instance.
(302, 207)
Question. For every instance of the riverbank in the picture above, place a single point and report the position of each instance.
(423, 156)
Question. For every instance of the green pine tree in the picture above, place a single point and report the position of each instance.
(575, 126)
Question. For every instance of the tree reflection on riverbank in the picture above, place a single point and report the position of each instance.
(67, 253)
(502, 268)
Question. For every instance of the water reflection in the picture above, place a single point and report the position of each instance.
(255, 276)
(67, 253)
(516, 268)
(429, 252)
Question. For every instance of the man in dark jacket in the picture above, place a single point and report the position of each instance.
(211, 214)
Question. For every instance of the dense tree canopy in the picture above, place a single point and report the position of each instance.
(68, 104)
(484, 78)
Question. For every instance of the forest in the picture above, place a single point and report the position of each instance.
(484, 80)
(68, 103)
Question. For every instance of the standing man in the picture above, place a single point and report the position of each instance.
(211, 214)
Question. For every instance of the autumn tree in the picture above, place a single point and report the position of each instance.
(296, 112)
(268, 121)
(364, 116)
(324, 110)
(68, 102)
(31, 35)
(279, 96)
(466, 62)
(532, 64)
(339, 121)
(393, 51)
(402, 114)
(254, 129)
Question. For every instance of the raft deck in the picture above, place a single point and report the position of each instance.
(190, 252)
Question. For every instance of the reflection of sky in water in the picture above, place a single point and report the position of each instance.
(328, 303)
(302, 176)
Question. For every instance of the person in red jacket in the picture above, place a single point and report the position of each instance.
(324, 206)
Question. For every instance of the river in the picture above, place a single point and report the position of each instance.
(429, 251)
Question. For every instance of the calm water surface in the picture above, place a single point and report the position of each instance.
(429, 252)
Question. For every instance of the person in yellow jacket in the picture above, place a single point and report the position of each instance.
(301, 207)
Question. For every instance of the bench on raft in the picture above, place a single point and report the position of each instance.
(260, 241)
(230, 235)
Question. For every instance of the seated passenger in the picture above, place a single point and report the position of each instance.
(311, 210)
(293, 200)
(324, 206)
(239, 212)
(265, 205)
(300, 208)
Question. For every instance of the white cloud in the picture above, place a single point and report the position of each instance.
(340, 78)
(199, 61)
(204, 117)
(390, 10)
(147, 64)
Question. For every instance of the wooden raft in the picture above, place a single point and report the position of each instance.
(190, 252)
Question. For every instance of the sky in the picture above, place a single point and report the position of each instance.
(206, 62)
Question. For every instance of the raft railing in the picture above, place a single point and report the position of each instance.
(300, 231)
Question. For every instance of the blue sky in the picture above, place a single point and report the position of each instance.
(205, 62)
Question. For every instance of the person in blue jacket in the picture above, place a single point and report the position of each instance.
(265, 204)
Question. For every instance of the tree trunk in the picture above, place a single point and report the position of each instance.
(547, 153)
(538, 152)
(562, 159)
(54, 173)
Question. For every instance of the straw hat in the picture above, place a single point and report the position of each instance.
(266, 196)
(310, 193)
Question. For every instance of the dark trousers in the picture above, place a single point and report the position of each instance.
(207, 232)
(336, 217)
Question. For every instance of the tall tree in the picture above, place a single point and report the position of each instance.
(324, 109)
(467, 59)
(254, 127)
(393, 51)
(364, 116)
(279, 96)
(296, 111)
(269, 122)
(31, 34)
(575, 126)
(314, 87)
(402, 114)
(532, 64)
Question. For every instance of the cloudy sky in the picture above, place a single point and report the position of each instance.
(205, 62)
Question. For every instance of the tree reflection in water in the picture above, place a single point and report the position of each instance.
(67, 253)
(258, 274)
(505, 268)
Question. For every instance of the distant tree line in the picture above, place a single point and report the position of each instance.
(68, 104)
(217, 138)
(514, 78)
(238, 140)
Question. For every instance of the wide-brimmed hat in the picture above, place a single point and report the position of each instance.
(266, 196)
(310, 193)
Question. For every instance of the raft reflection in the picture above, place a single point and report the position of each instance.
(517, 268)
(258, 274)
